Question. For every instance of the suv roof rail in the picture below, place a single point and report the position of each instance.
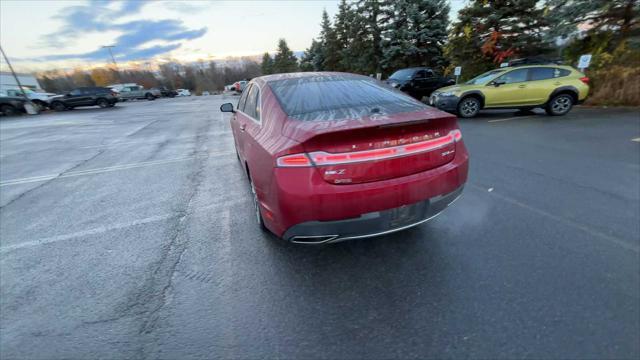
(534, 61)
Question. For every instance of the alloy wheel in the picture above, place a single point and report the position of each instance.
(561, 104)
(469, 107)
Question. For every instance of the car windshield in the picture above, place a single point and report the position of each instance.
(332, 98)
(484, 78)
(404, 74)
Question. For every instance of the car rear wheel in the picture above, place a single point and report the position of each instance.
(150, 97)
(468, 107)
(8, 110)
(58, 106)
(103, 103)
(256, 204)
(560, 105)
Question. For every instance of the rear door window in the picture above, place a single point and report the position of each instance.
(252, 103)
(542, 73)
(242, 100)
(514, 76)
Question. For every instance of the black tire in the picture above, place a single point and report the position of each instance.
(58, 106)
(559, 105)
(468, 107)
(8, 110)
(149, 96)
(112, 104)
(236, 149)
(103, 103)
(258, 213)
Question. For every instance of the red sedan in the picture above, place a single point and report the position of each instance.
(336, 156)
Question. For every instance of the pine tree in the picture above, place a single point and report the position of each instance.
(370, 23)
(343, 26)
(415, 34)
(329, 44)
(284, 60)
(610, 30)
(617, 16)
(312, 58)
(267, 64)
(489, 32)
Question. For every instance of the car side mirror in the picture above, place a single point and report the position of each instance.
(497, 83)
(227, 107)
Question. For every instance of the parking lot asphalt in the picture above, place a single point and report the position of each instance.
(129, 233)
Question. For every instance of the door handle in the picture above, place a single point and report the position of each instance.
(522, 86)
(242, 127)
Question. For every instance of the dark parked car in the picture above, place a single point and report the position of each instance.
(11, 105)
(336, 156)
(164, 92)
(418, 81)
(84, 96)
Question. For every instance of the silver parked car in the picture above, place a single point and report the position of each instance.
(131, 92)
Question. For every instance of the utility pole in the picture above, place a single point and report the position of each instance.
(18, 81)
(109, 47)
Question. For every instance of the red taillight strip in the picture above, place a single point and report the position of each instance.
(322, 158)
(294, 160)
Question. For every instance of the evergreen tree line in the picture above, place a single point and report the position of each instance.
(369, 36)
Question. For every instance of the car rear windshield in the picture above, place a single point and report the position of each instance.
(333, 98)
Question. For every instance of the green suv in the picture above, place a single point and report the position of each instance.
(555, 88)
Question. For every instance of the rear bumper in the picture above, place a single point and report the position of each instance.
(371, 224)
(300, 195)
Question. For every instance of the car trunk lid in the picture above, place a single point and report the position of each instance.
(370, 149)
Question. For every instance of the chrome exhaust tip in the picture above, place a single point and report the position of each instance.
(313, 239)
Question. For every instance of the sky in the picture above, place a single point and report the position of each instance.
(46, 34)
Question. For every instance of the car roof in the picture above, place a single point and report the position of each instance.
(266, 79)
(536, 65)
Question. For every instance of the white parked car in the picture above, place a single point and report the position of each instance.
(205, 93)
(183, 92)
(40, 98)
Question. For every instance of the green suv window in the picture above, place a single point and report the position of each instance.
(514, 76)
(544, 73)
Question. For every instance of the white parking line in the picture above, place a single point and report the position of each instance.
(225, 205)
(636, 139)
(512, 118)
(154, 141)
(83, 233)
(597, 234)
(107, 169)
